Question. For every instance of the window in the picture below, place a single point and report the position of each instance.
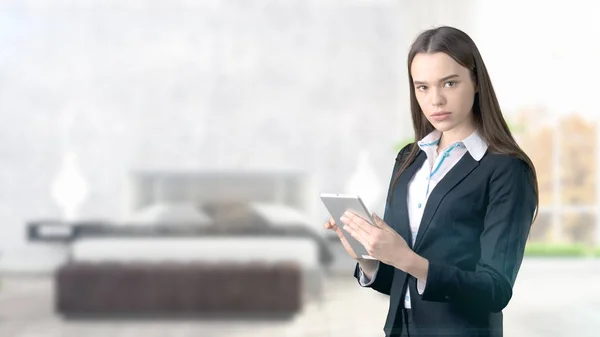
(563, 150)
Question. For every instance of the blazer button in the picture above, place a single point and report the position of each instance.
(447, 297)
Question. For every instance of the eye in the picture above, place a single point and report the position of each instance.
(421, 88)
(450, 84)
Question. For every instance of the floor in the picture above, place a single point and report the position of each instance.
(551, 298)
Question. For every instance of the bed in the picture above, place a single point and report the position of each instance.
(216, 235)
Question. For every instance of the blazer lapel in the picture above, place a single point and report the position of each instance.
(399, 205)
(456, 174)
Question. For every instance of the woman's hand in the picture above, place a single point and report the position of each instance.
(330, 225)
(381, 241)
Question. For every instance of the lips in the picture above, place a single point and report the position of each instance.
(440, 116)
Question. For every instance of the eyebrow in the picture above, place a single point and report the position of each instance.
(441, 80)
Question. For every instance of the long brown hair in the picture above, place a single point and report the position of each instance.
(486, 111)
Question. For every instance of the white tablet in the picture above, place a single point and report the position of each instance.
(337, 204)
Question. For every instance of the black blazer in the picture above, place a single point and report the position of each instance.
(473, 233)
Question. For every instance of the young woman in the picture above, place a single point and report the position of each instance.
(460, 204)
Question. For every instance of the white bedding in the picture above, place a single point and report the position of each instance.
(303, 251)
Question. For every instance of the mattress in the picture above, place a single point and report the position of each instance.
(303, 251)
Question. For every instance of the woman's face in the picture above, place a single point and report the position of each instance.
(445, 91)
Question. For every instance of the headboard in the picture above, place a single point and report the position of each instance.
(294, 189)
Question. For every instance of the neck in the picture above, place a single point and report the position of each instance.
(455, 135)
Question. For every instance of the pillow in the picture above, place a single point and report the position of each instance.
(277, 214)
(171, 213)
(283, 215)
(234, 217)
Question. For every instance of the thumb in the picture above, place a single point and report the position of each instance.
(379, 222)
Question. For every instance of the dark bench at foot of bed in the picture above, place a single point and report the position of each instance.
(226, 289)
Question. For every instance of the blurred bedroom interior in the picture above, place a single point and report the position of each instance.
(162, 162)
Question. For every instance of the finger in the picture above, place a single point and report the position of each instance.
(357, 223)
(358, 234)
(379, 222)
(330, 224)
(347, 247)
(343, 239)
(345, 243)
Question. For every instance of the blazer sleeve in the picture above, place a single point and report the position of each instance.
(382, 280)
(506, 226)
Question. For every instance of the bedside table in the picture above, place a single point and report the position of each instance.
(49, 231)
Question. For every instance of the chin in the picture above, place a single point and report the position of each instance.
(443, 126)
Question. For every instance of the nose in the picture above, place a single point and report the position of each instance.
(437, 99)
